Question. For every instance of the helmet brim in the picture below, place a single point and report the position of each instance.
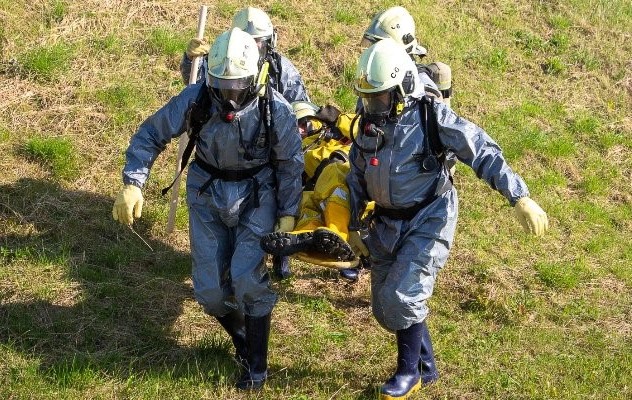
(239, 83)
(418, 50)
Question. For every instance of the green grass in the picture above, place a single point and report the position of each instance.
(345, 16)
(566, 275)
(57, 12)
(88, 311)
(123, 101)
(109, 44)
(281, 10)
(47, 62)
(167, 42)
(57, 154)
(5, 135)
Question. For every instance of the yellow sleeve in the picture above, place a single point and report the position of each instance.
(344, 124)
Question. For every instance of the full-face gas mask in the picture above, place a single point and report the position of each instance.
(232, 68)
(231, 94)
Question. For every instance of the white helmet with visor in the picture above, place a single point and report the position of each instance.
(258, 24)
(305, 112)
(233, 67)
(395, 23)
(385, 76)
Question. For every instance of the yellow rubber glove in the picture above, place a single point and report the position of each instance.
(129, 200)
(532, 218)
(357, 245)
(197, 48)
(285, 224)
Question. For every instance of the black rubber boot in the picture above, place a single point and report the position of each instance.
(427, 364)
(281, 267)
(407, 378)
(350, 274)
(330, 243)
(286, 243)
(234, 324)
(257, 337)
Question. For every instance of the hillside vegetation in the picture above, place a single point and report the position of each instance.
(88, 311)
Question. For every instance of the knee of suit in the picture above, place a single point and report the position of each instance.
(213, 301)
(253, 293)
(394, 314)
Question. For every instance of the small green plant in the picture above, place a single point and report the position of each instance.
(57, 12)
(5, 135)
(110, 43)
(337, 39)
(498, 60)
(345, 16)
(56, 153)
(122, 101)
(226, 10)
(306, 49)
(559, 41)
(586, 124)
(46, 63)
(586, 60)
(345, 97)
(594, 184)
(281, 10)
(560, 22)
(9, 254)
(559, 275)
(529, 41)
(607, 140)
(165, 41)
(561, 146)
(554, 66)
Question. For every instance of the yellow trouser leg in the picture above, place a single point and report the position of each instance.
(337, 217)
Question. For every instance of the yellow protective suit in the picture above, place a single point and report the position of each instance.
(326, 207)
(318, 149)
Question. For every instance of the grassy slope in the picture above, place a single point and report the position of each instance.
(87, 311)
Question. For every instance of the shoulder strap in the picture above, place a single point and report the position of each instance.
(426, 108)
(198, 114)
(424, 68)
(266, 109)
(276, 69)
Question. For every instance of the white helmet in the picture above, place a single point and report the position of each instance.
(304, 109)
(395, 23)
(385, 76)
(233, 65)
(257, 23)
(305, 113)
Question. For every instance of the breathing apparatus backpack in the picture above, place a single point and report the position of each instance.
(441, 75)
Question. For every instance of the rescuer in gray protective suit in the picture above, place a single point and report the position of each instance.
(283, 75)
(398, 161)
(244, 182)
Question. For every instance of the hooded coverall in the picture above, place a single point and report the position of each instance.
(225, 221)
(407, 253)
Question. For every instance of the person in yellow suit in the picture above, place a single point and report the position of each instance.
(321, 234)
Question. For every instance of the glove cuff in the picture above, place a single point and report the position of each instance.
(521, 201)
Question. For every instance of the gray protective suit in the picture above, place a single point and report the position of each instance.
(225, 225)
(291, 84)
(407, 254)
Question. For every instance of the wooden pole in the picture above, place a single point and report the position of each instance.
(182, 142)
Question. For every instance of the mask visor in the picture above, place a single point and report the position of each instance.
(367, 41)
(232, 90)
(377, 103)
